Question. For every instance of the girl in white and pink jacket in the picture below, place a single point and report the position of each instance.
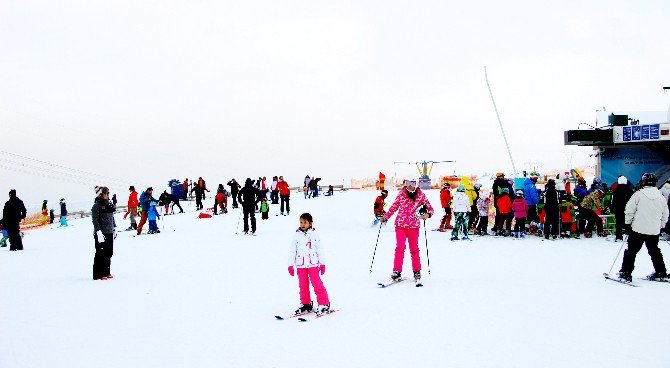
(307, 255)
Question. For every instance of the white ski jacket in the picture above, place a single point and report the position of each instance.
(306, 250)
(460, 202)
(647, 211)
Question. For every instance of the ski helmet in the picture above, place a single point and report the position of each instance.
(446, 185)
(461, 188)
(477, 186)
(500, 175)
(410, 182)
(519, 193)
(385, 192)
(648, 180)
(622, 180)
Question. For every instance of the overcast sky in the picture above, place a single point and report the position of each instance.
(144, 91)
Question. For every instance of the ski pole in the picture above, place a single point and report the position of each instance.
(425, 235)
(377, 242)
(237, 227)
(617, 255)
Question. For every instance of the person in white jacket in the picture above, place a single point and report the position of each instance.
(461, 208)
(307, 255)
(646, 214)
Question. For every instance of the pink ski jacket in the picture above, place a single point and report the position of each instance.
(407, 216)
(520, 208)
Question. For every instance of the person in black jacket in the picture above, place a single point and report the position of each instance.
(12, 214)
(620, 197)
(63, 213)
(249, 197)
(234, 189)
(199, 194)
(104, 233)
(551, 210)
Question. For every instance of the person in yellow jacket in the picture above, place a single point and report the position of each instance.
(473, 196)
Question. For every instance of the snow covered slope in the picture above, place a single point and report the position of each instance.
(197, 295)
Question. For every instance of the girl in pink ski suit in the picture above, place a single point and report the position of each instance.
(307, 255)
(407, 225)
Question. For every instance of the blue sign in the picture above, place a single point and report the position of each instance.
(631, 162)
(627, 133)
(637, 132)
(645, 132)
(654, 131)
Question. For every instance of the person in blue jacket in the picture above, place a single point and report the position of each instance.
(580, 192)
(152, 215)
(145, 201)
(532, 199)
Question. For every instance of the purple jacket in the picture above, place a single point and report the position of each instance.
(520, 208)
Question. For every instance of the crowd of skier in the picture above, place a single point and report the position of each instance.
(557, 210)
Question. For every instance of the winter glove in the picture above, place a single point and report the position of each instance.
(98, 235)
(322, 268)
(627, 228)
(114, 233)
(291, 271)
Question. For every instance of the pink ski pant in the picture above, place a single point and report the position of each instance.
(305, 275)
(401, 236)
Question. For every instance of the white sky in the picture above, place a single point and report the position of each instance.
(150, 90)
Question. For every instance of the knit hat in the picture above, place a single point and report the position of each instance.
(622, 180)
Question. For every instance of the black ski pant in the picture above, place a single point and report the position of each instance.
(496, 221)
(474, 216)
(593, 220)
(519, 224)
(176, 203)
(551, 223)
(483, 225)
(234, 195)
(532, 214)
(505, 222)
(14, 235)
(275, 197)
(198, 201)
(620, 218)
(249, 212)
(285, 198)
(103, 256)
(635, 241)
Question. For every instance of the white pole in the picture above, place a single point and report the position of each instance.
(509, 152)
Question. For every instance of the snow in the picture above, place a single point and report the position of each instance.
(197, 295)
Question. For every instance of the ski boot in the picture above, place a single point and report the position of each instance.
(395, 276)
(522, 235)
(322, 309)
(588, 235)
(516, 234)
(150, 232)
(157, 231)
(657, 276)
(465, 238)
(601, 234)
(304, 308)
(454, 237)
(417, 276)
(130, 228)
(625, 276)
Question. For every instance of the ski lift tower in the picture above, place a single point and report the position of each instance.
(424, 171)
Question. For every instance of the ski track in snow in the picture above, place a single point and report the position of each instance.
(197, 295)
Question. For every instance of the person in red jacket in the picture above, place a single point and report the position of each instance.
(445, 200)
(185, 187)
(379, 206)
(382, 179)
(132, 208)
(505, 209)
(284, 195)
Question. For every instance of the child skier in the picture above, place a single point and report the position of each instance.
(379, 207)
(307, 255)
(520, 208)
(504, 204)
(483, 205)
(265, 208)
(152, 215)
(567, 213)
(462, 209)
(4, 236)
(407, 225)
(445, 201)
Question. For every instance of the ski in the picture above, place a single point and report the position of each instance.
(282, 318)
(391, 282)
(314, 316)
(418, 283)
(616, 279)
(659, 280)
